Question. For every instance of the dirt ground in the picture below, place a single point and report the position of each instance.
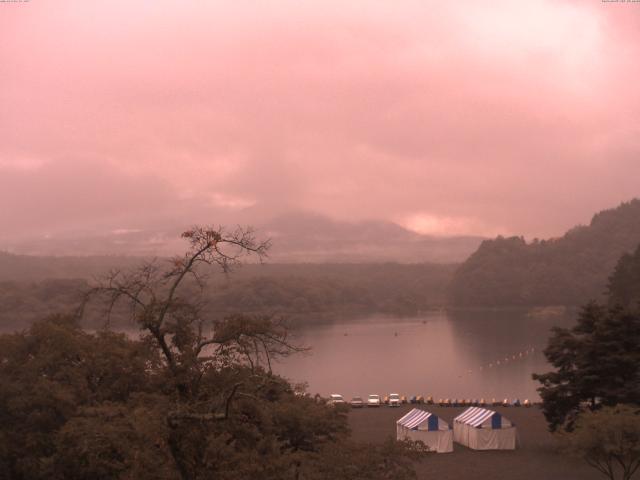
(537, 457)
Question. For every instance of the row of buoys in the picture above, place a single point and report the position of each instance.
(510, 358)
(504, 361)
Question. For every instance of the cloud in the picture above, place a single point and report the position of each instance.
(428, 224)
(89, 195)
(503, 116)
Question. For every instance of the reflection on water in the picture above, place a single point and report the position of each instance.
(464, 354)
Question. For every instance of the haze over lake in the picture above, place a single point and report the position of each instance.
(445, 355)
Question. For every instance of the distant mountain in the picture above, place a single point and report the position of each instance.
(307, 237)
(296, 237)
(569, 270)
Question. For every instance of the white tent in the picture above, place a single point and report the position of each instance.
(431, 430)
(482, 429)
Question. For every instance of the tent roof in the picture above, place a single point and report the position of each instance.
(414, 418)
(474, 416)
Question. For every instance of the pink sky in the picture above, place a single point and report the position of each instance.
(447, 117)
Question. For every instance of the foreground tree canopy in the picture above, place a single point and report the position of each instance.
(608, 440)
(597, 363)
(188, 399)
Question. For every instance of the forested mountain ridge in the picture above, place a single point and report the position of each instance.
(569, 270)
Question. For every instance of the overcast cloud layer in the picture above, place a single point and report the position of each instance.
(447, 117)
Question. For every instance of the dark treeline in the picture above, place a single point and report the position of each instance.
(570, 270)
(25, 302)
(302, 292)
(328, 289)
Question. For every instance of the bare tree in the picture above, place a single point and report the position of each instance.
(208, 363)
(190, 343)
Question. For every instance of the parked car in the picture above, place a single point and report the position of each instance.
(394, 400)
(357, 402)
(335, 399)
(373, 400)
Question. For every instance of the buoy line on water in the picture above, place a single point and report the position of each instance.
(504, 361)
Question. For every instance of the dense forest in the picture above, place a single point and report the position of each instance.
(302, 292)
(569, 270)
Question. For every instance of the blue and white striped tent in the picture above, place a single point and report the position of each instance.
(427, 427)
(482, 429)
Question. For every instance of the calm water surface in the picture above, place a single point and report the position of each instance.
(464, 355)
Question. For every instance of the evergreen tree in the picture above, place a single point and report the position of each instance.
(624, 283)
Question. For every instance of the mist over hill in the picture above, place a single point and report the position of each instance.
(304, 237)
(569, 270)
(296, 237)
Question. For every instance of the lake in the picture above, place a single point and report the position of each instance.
(472, 354)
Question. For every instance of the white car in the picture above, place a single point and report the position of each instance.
(335, 399)
(373, 400)
(394, 400)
